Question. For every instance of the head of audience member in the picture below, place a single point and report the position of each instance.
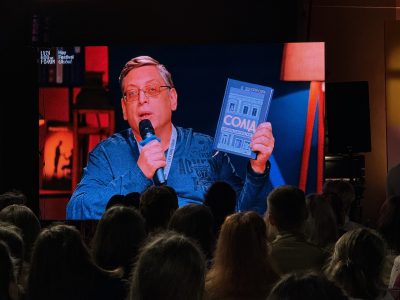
(171, 189)
(12, 236)
(63, 268)
(241, 268)
(221, 199)
(305, 286)
(157, 204)
(115, 200)
(119, 234)
(12, 197)
(344, 190)
(337, 205)
(287, 209)
(357, 263)
(8, 283)
(132, 199)
(169, 266)
(197, 222)
(321, 226)
(24, 218)
(389, 223)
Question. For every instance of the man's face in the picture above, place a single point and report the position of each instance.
(157, 109)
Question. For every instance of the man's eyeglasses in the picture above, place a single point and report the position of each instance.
(149, 91)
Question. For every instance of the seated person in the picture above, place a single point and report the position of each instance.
(290, 251)
(169, 266)
(197, 222)
(347, 194)
(130, 200)
(157, 205)
(221, 199)
(357, 264)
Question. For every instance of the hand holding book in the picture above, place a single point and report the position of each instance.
(262, 143)
(242, 128)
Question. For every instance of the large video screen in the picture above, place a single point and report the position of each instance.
(78, 87)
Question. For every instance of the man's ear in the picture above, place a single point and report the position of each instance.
(123, 109)
(173, 96)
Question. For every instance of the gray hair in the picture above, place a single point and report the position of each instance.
(141, 61)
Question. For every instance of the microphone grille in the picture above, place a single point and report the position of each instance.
(145, 127)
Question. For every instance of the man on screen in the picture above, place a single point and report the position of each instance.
(121, 165)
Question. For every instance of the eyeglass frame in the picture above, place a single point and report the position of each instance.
(145, 94)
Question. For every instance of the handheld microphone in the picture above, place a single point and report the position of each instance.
(148, 134)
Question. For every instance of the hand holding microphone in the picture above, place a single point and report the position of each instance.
(151, 159)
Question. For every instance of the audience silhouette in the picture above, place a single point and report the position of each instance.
(118, 237)
(169, 267)
(321, 226)
(306, 286)
(241, 268)
(63, 268)
(9, 289)
(197, 222)
(357, 264)
(157, 204)
(145, 247)
(290, 251)
(221, 199)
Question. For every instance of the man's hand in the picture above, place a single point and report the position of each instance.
(151, 158)
(262, 142)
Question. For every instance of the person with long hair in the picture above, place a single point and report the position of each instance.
(118, 237)
(24, 218)
(62, 268)
(321, 225)
(197, 222)
(9, 289)
(170, 266)
(357, 264)
(347, 193)
(11, 235)
(241, 268)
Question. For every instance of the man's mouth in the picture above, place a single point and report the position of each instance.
(144, 115)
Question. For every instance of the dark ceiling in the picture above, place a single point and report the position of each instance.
(153, 21)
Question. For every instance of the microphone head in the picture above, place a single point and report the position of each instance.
(145, 128)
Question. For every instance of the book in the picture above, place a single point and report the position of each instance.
(245, 105)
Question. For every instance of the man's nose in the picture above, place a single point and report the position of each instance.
(142, 97)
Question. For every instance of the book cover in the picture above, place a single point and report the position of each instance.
(245, 105)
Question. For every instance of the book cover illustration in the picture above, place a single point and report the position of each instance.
(245, 105)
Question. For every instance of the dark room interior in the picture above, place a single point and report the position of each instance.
(360, 38)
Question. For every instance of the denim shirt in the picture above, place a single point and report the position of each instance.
(112, 169)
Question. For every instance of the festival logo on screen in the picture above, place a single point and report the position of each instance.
(60, 65)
